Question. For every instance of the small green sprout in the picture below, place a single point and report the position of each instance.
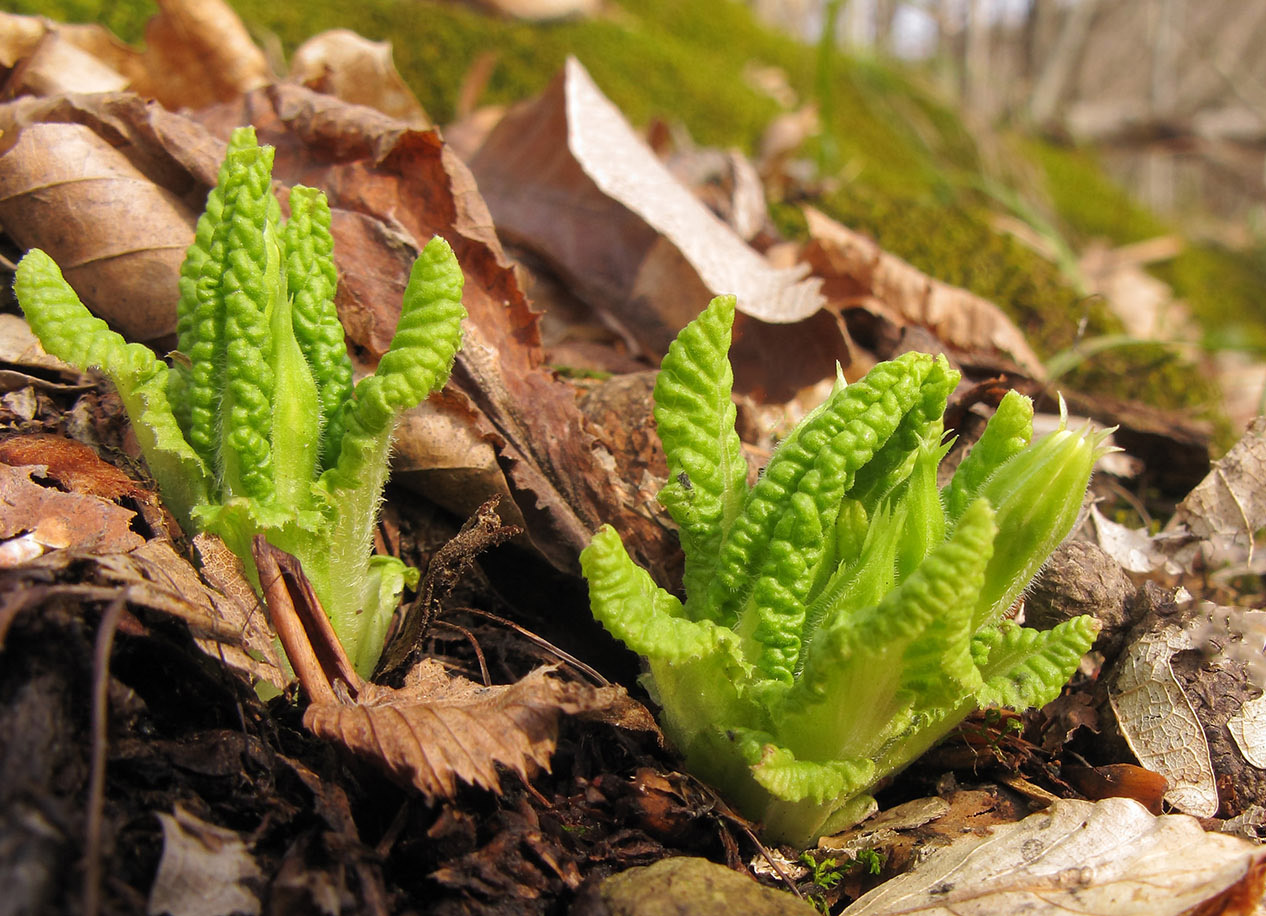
(256, 427)
(843, 614)
(825, 873)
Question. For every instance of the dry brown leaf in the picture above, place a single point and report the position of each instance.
(567, 177)
(51, 519)
(1108, 858)
(860, 273)
(198, 52)
(92, 55)
(439, 729)
(341, 63)
(205, 870)
(254, 650)
(119, 237)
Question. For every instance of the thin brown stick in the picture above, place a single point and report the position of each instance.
(545, 644)
(474, 644)
(96, 779)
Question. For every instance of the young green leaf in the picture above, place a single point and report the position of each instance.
(70, 332)
(694, 415)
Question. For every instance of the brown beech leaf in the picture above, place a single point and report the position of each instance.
(341, 63)
(567, 177)
(118, 237)
(1107, 858)
(55, 64)
(858, 273)
(439, 729)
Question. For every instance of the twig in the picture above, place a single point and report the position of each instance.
(545, 644)
(96, 780)
(474, 644)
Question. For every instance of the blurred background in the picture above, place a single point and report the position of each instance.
(1094, 168)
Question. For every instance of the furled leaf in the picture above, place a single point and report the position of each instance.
(695, 415)
(1007, 433)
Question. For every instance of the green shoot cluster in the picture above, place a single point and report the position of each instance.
(256, 427)
(844, 613)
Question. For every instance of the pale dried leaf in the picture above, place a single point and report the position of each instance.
(55, 65)
(569, 178)
(438, 729)
(1213, 527)
(341, 63)
(1158, 722)
(19, 35)
(62, 189)
(1134, 548)
(1107, 858)
(1248, 730)
(1225, 510)
(540, 10)
(205, 870)
(857, 270)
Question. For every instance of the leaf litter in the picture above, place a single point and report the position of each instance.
(611, 799)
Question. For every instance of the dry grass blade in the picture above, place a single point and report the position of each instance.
(439, 729)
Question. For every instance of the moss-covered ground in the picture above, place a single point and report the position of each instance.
(914, 171)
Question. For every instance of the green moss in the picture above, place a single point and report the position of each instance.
(953, 241)
(1089, 203)
(1226, 292)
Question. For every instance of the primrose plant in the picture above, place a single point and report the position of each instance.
(256, 427)
(843, 613)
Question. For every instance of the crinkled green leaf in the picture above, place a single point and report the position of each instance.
(920, 423)
(1024, 667)
(868, 671)
(70, 332)
(694, 416)
(790, 779)
(418, 362)
(197, 314)
(312, 279)
(770, 560)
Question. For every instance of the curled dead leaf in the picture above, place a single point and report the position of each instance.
(567, 177)
(341, 63)
(205, 870)
(439, 729)
(65, 189)
(858, 272)
(198, 52)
